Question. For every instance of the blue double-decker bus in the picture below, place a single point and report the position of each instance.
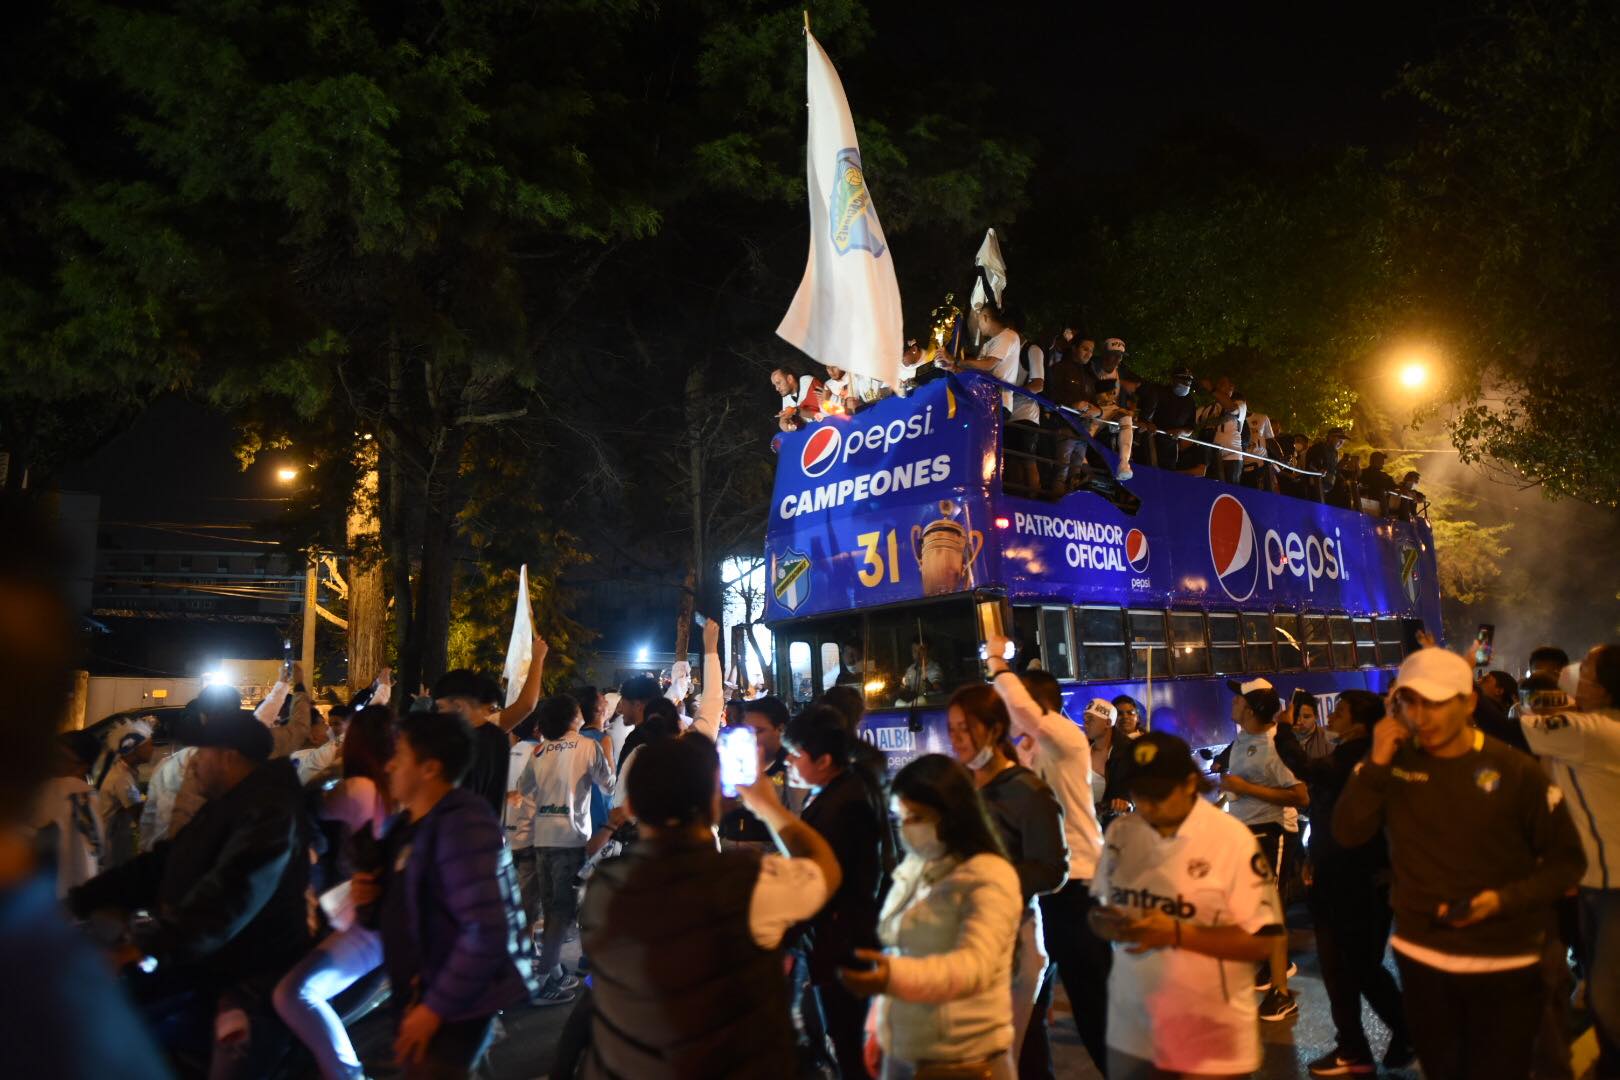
(894, 549)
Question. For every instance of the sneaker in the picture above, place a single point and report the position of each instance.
(553, 993)
(1262, 974)
(1278, 1005)
(1399, 1055)
(565, 981)
(1124, 473)
(1334, 1063)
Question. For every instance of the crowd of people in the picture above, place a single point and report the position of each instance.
(1199, 427)
(829, 919)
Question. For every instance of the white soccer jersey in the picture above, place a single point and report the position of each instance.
(1181, 1010)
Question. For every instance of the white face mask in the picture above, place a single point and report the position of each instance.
(1181, 389)
(981, 759)
(921, 838)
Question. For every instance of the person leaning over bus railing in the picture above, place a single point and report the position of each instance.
(1062, 757)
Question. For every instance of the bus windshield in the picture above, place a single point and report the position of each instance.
(899, 656)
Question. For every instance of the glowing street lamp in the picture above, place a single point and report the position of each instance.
(287, 474)
(1414, 374)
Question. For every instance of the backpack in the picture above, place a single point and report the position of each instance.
(1025, 345)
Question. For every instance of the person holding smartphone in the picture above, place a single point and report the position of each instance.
(1482, 846)
(1191, 904)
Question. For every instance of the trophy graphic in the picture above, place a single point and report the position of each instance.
(945, 550)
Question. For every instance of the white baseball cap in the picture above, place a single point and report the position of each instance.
(1102, 707)
(1114, 344)
(1248, 685)
(1435, 674)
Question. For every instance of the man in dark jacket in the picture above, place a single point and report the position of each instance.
(227, 903)
(1482, 846)
(1349, 895)
(1323, 457)
(455, 942)
(844, 809)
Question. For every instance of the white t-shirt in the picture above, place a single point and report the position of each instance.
(1181, 1010)
(1254, 758)
(68, 805)
(315, 760)
(559, 778)
(1025, 408)
(1003, 349)
(1228, 426)
(1260, 435)
(788, 891)
(519, 813)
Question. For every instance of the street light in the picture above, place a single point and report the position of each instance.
(1413, 374)
(287, 474)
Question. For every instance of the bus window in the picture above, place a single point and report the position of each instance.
(1147, 643)
(832, 666)
(1290, 642)
(1259, 645)
(801, 682)
(1318, 649)
(1390, 651)
(1344, 641)
(1026, 633)
(922, 654)
(1225, 642)
(1102, 642)
(1189, 654)
(1366, 644)
(1057, 652)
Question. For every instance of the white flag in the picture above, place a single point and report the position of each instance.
(995, 268)
(521, 650)
(847, 310)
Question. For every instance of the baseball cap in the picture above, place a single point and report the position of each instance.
(1102, 707)
(1248, 685)
(1157, 762)
(1262, 697)
(240, 731)
(1435, 674)
(1182, 374)
(1114, 344)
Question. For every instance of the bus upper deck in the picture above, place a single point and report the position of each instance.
(894, 548)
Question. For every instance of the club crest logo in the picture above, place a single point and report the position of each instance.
(850, 217)
(1409, 574)
(1197, 868)
(1487, 779)
(790, 579)
(1232, 548)
(820, 450)
(1145, 752)
(1261, 867)
(1136, 550)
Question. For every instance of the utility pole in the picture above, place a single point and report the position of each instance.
(308, 649)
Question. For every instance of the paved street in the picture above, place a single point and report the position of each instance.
(526, 1050)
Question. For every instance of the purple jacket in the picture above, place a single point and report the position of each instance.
(475, 953)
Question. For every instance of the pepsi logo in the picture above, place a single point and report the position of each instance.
(820, 450)
(1232, 548)
(1136, 550)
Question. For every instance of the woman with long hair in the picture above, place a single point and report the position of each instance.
(1029, 821)
(949, 927)
(360, 801)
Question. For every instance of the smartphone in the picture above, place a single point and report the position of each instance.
(739, 759)
(286, 658)
(700, 618)
(1455, 910)
(1484, 644)
(1110, 922)
(1007, 653)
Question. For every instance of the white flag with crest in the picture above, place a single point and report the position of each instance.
(995, 268)
(520, 652)
(847, 310)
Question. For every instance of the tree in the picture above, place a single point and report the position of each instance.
(1508, 214)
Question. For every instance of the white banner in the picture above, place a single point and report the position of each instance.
(520, 651)
(847, 310)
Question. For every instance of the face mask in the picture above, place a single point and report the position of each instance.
(921, 838)
(1181, 389)
(981, 759)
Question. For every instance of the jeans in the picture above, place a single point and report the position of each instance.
(1083, 962)
(302, 997)
(1472, 1027)
(557, 867)
(525, 862)
(1600, 946)
(1034, 1053)
(1352, 929)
